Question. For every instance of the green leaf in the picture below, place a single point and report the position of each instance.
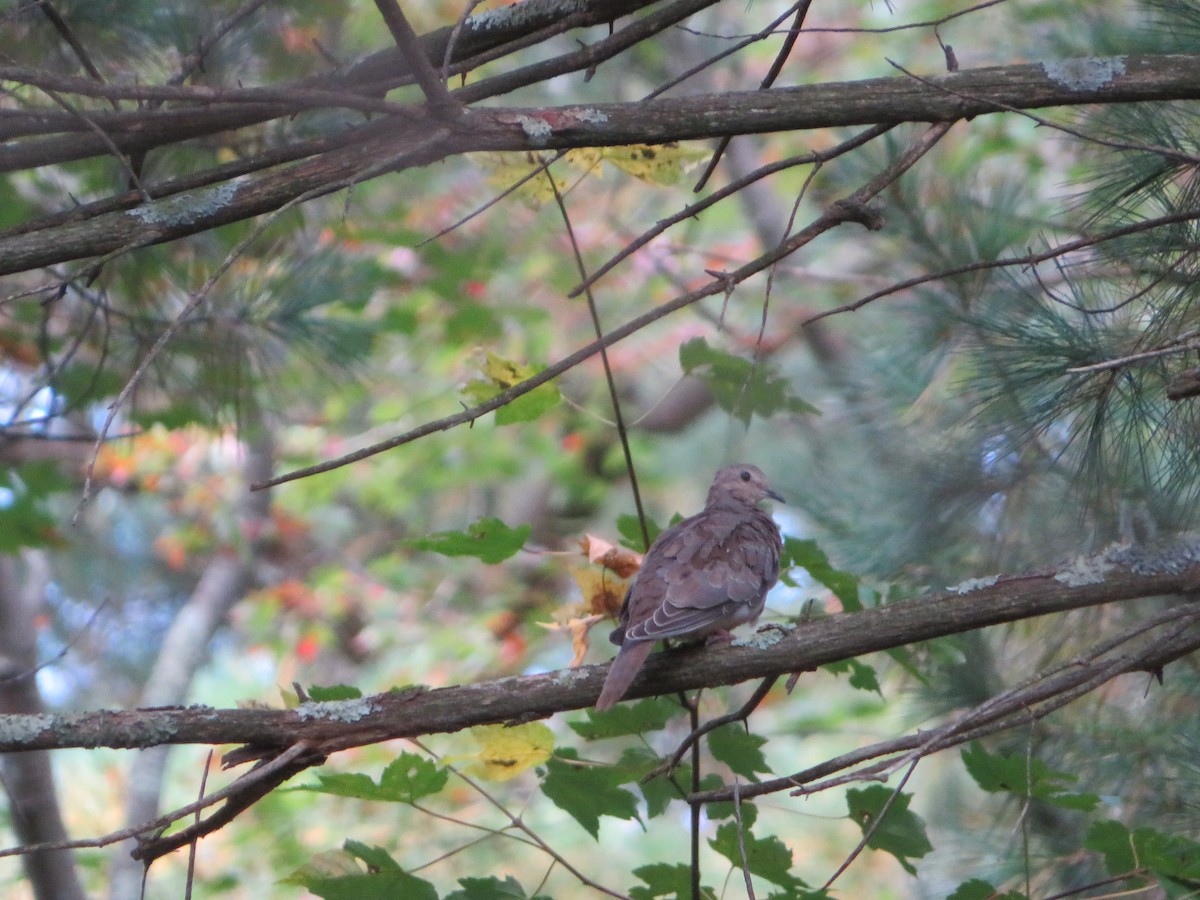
(25, 520)
(333, 692)
(587, 792)
(665, 880)
(726, 809)
(488, 539)
(767, 858)
(631, 531)
(809, 555)
(338, 876)
(738, 749)
(492, 889)
(376, 858)
(1024, 777)
(651, 714)
(862, 676)
(978, 889)
(1173, 859)
(741, 387)
(82, 383)
(411, 777)
(499, 375)
(404, 780)
(900, 832)
(1115, 843)
(637, 762)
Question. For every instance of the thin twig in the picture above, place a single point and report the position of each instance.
(741, 714)
(1029, 259)
(869, 832)
(1028, 701)
(406, 39)
(618, 415)
(789, 42)
(261, 771)
(65, 32)
(690, 211)
(741, 837)
(745, 42)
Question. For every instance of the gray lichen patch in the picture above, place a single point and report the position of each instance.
(18, 728)
(767, 636)
(538, 130)
(1160, 558)
(187, 208)
(973, 584)
(337, 710)
(1089, 73)
(519, 14)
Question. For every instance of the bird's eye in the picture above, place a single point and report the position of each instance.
(745, 475)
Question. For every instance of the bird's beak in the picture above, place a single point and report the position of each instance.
(775, 495)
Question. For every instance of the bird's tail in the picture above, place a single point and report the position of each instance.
(622, 672)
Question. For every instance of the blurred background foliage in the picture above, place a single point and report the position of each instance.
(948, 440)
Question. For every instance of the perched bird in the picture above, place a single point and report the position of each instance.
(702, 576)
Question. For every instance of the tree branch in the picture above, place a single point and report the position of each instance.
(1121, 573)
(877, 101)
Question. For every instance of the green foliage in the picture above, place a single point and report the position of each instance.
(767, 857)
(808, 554)
(333, 692)
(888, 824)
(666, 880)
(1024, 777)
(341, 877)
(631, 531)
(862, 676)
(488, 539)
(25, 518)
(742, 387)
(587, 792)
(733, 745)
(407, 779)
(1172, 859)
(651, 714)
(978, 889)
(500, 375)
(492, 889)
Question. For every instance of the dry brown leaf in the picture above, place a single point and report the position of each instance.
(611, 556)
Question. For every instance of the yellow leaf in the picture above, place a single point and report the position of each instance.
(602, 590)
(656, 163)
(503, 170)
(508, 751)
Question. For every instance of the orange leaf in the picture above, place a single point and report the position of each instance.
(604, 553)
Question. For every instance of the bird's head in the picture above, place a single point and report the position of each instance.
(740, 485)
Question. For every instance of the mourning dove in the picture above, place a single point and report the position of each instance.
(702, 576)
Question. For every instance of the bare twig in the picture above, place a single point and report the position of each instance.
(1029, 701)
(1029, 259)
(777, 64)
(406, 39)
(740, 715)
(618, 415)
(694, 209)
(65, 32)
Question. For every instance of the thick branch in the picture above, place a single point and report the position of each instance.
(388, 146)
(1118, 574)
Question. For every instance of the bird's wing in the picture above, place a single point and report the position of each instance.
(710, 573)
